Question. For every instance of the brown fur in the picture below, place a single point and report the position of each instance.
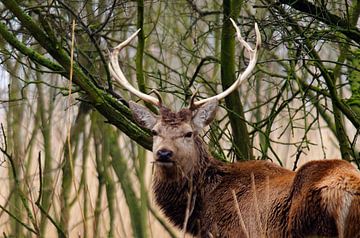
(321, 198)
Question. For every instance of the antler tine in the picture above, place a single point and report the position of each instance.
(117, 73)
(192, 105)
(158, 95)
(253, 58)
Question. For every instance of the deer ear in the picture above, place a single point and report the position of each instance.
(143, 116)
(204, 115)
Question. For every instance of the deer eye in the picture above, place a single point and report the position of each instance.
(154, 133)
(188, 134)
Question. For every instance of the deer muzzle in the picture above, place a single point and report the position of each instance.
(164, 157)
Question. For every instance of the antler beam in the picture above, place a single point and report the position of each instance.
(253, 59)
(117, 73)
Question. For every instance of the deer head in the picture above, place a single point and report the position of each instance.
(175, 135)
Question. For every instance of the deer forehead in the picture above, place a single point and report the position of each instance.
(169, 130)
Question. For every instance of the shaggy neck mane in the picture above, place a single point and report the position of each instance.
(173, 195)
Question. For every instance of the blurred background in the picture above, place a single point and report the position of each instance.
(72, 161)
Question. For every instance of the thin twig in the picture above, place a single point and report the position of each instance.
(57, 226)
(256, 204)
(18, 220)
(17, 188)
(161, 221)
(38, 201)
(242, 223)
(4, 136)
(69, 114)
(40, 180)
(189, 207)
(267, 202)
(298, 154)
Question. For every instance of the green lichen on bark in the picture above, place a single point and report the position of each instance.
(354, 81)
(241, 140)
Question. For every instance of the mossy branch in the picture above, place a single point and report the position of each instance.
(115, 112)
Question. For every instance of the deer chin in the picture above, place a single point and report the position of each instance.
(167, 171)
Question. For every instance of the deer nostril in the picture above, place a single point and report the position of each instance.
(164, 154)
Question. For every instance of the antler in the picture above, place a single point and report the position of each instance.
(117, 73)
(245, 74)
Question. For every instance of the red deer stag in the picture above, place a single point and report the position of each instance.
(209, 198)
